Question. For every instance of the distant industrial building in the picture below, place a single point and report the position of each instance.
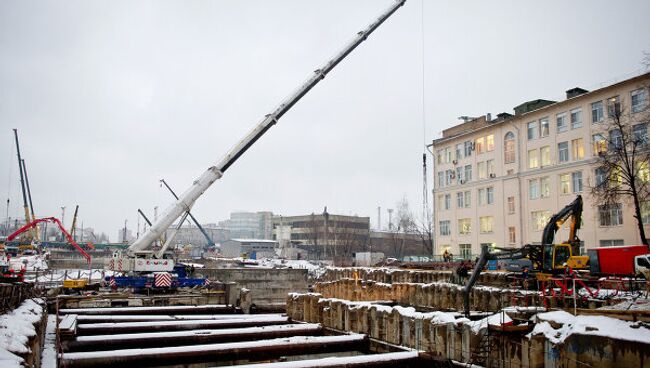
(249, 248)
(190, 234)
(249, 225)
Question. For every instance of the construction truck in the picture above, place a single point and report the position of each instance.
(547, 259)
(139, 257)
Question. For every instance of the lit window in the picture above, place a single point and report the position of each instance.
(613, 106)
(489, 142)
(597, 115)
(545, 152)
(577, 149)
(563, 151)
(543, 127)
(464, 226)
(565, 184)
(562, 124)
(643, 172)
(576, 118)
(448, 155)
(600, 144)
(540, 219)
(486, 224)
(509, 148)
(533, 159)
(638, 100)
(532, 130)
(545, 187)
(480, 145)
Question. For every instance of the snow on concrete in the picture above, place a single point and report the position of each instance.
(17, 326)
(314, 270)
(48, 357)
(498, 319)
(136, 309)
(210, 322)
(588, 325)
(641, 304)
(295, 340)
(178, 317)
(339, 361)
(10, 360)
(30, 263)
(312, 327)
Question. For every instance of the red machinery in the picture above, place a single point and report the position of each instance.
(33, 224)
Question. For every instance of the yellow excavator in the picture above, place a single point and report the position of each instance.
(547, 259)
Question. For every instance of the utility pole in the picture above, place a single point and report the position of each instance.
(62, 222)
(7, 220)
(390, 219)
(379, 218)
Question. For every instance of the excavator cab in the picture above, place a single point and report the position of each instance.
(557, 256)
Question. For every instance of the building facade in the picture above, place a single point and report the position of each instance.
(250, 225)
(498, 181)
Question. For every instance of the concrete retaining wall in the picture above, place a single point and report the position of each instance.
(12, 295)
(267, 286)
(394, 275)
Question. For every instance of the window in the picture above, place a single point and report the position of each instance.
(599, 143)
(489, 142)
(509, 148)
(445, 228)
(565, 185)
(563, 151)
(468, 148)
(481, 197)
(480, 145)
(511, 235)
(447, 155)
(460, 200)
(577, 149)
(441, 179)
(482, 173)
(441, 155)
(465, 251)
(533, 159)
(490, 195)
(511, 205)
(449, 176)
(532, 130)
(533, 189)
(490, 168)
(612, 243)
(576, 118)
(460, 150)
(486, 224)
(601, 176)
(576, 180)
(640, 133)
(468, 173)
(638, 100)
(597, 115)
(562, 125)
(447, 201)
(643, 172)
(540, 219)
(468, 199)
(613, 106)
(615, 139)
(459, 175)
(543, 127)
(610, 215)
(645, 212)
(545, 153)
(464, 226)
(545, 187)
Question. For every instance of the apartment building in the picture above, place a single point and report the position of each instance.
(497, 181)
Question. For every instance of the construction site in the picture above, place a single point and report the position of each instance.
(323, 296)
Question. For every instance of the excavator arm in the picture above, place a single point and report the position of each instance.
(33, 225)
(572, 211)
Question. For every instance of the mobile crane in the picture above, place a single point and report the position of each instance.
(137, 257)
(546, 258)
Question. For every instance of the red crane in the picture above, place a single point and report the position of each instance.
(33, 224)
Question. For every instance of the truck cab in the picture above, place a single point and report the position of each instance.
(642, 265)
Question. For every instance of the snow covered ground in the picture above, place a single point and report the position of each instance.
(30, 263)
(16, 327)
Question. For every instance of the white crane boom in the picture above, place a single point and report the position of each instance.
(213, 173)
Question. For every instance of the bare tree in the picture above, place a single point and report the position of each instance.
(403, 225)
(623, 162)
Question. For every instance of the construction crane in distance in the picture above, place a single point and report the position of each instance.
(131, 262)
(28, 218)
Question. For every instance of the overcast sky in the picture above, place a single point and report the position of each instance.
(110, 96)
